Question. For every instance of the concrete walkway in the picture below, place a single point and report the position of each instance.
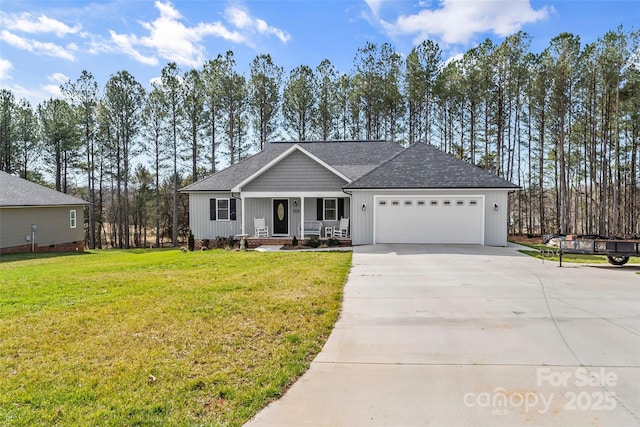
(469, 335)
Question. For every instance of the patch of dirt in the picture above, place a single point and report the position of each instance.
(524, 239)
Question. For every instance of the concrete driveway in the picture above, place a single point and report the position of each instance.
(469, 335)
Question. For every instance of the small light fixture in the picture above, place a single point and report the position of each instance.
(364, 206)
(495, 206)
(295, 203)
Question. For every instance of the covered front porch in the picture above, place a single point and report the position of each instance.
(289, 214)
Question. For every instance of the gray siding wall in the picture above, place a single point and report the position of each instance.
(362, 221)
(296, 172)
(52, 222)
(259, 208)
(201, 226)
(310, 212)
(495, 222)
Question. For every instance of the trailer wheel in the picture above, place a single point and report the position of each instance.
(617, 260)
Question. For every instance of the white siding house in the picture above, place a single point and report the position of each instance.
(390, 195)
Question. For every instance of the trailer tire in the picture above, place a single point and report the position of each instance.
(617, 260)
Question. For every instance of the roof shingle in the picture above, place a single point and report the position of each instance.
(351, 158)
(424, 166)
(15, 191)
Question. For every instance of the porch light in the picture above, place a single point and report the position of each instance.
(295, 203)
(364, 206)
(495, 206)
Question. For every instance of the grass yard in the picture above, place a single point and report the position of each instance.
(158, 337)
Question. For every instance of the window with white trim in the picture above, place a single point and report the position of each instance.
(73, 221)
(222, 210)
(330, 209)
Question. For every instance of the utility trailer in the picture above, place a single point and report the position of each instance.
(617, 251)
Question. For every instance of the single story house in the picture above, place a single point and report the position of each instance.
(39, 219)
(390, 194)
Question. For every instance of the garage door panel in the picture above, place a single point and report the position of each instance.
(404, 220)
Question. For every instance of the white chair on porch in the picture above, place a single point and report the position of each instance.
(342, 230)
(260, 228)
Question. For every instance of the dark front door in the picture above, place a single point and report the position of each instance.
(281, 216)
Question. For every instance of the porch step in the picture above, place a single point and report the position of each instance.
(269, 248)
(254, 242)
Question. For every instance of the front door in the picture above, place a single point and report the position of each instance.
(281, 217)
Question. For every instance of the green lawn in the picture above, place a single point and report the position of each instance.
(158, 337)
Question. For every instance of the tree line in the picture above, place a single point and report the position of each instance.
(562, 123)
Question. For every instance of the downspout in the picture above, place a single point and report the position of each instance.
(33, 237)
(509, 193)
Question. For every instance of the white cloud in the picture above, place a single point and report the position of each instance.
(5, 68)
(169, 38)
(453, 58)
(241, 19)
(238, 17)
(28, 23)
(34, 95)
(58, 78)
(374, 5)
(37, 47)
(20, 92)
(53, 91)
(459, 21)
(124, 43)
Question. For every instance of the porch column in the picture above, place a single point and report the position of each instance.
(301, 218)
(243, 228)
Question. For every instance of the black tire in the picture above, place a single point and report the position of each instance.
(617, 260)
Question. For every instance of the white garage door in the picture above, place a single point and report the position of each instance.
(420, 219)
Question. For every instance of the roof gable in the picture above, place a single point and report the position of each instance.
(297, 172)
(16, 192)
(279, 159)
(424, 166)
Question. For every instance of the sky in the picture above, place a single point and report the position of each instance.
(45, 43)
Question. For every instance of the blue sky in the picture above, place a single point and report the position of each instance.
(44, 43)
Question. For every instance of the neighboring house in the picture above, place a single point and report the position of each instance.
(37, 218)
(389, 193)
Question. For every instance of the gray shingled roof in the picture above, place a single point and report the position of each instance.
(15, 191)
(424, 166)
(351, 158)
